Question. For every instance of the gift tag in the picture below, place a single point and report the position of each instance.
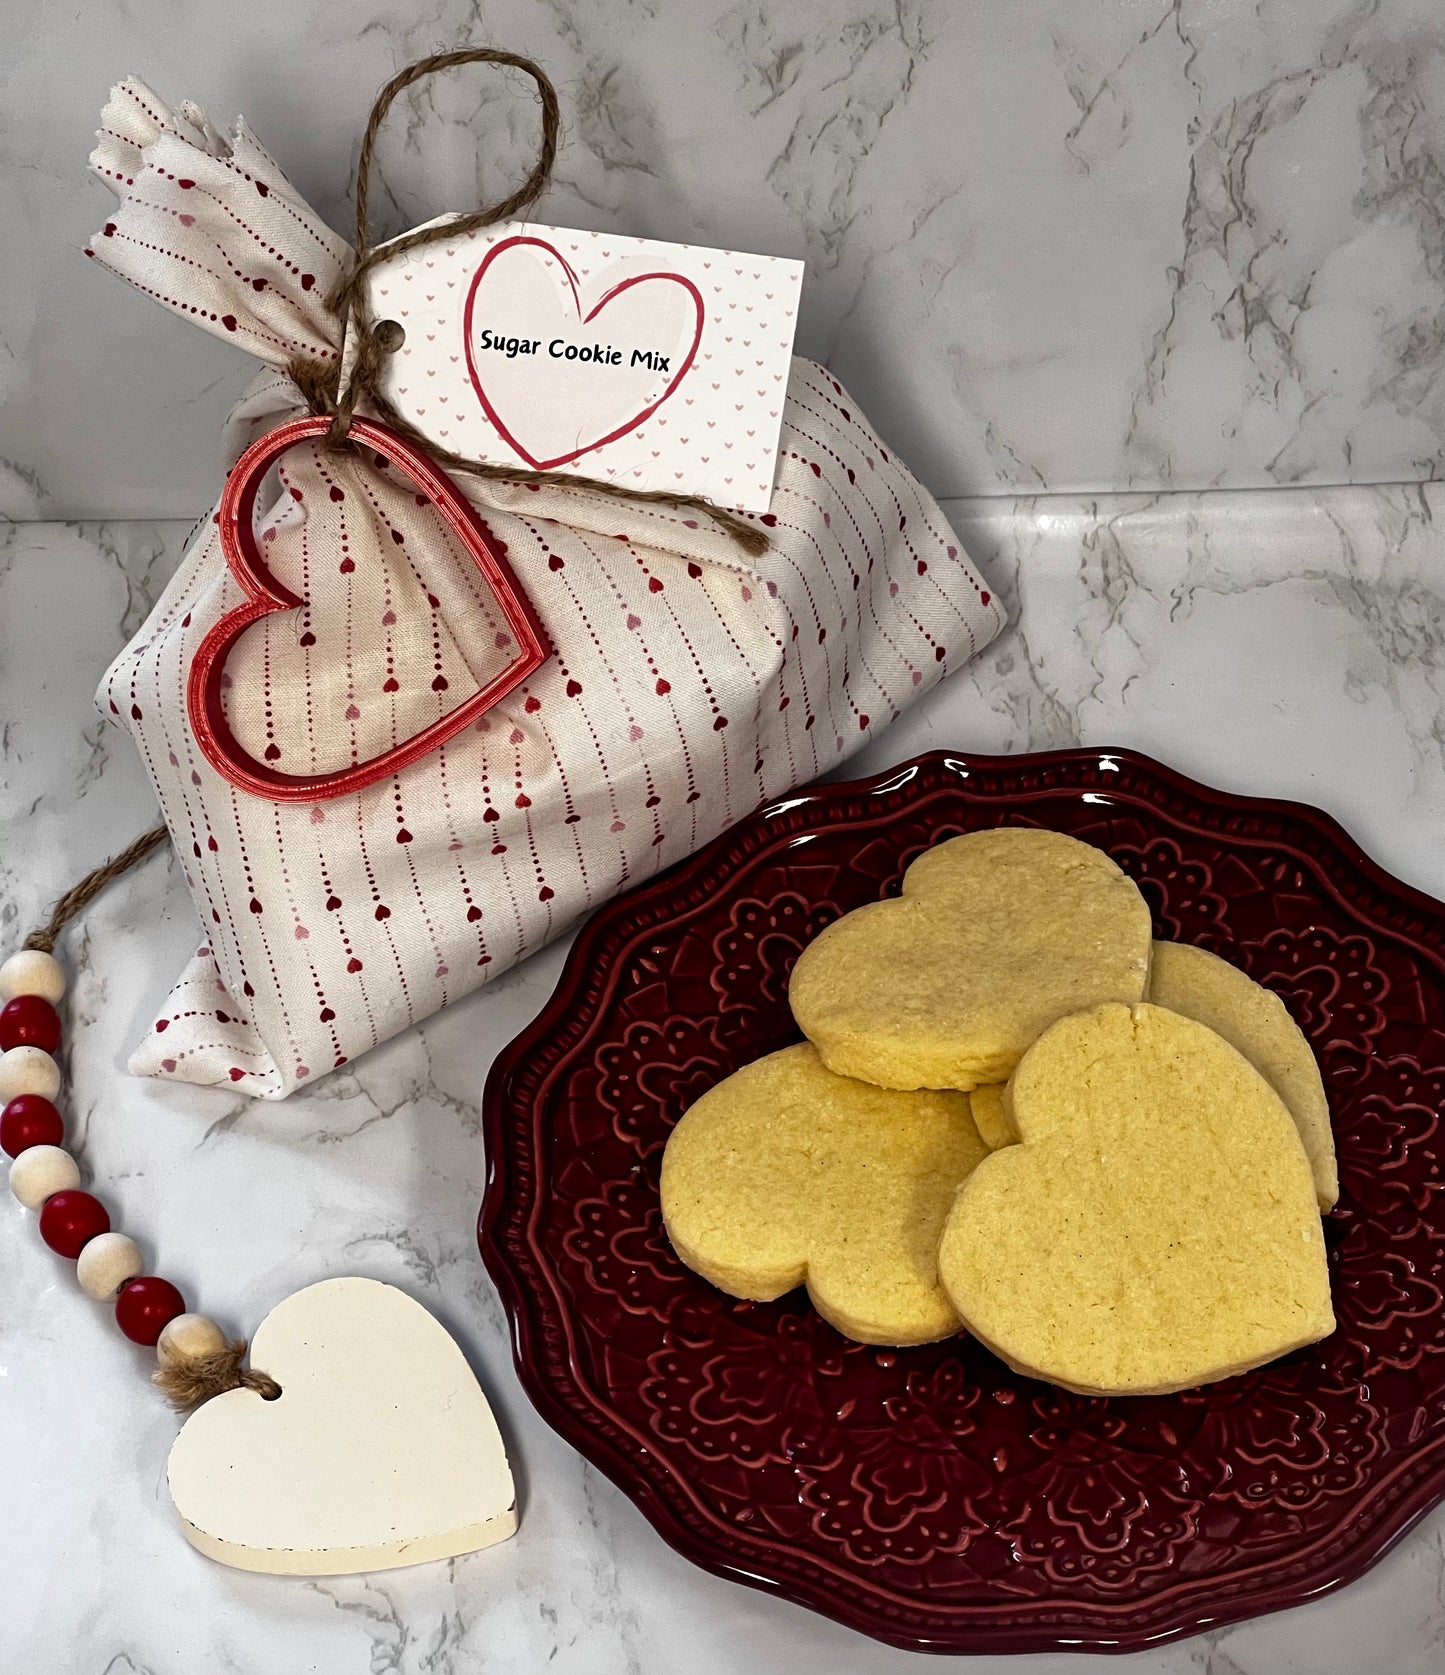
(655, 366)
(380, 1451)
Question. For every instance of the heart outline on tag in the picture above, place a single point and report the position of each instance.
(381, 1450)
(627, 284)
(265, 596)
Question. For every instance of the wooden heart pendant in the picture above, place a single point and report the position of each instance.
(264, 595)
(380, 1451)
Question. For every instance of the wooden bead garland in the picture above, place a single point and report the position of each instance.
(69, 1220)
(187, 1337)
(41, 1172)
(29, 1021)
(106, 1263)
(146, 1306)
(28, 1070)
(195, 1358)
(29, 1120)
(32, 972)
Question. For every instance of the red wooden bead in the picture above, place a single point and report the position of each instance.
(70, 1220)
(146, 1306)
(29, 1021)
(29, 1120)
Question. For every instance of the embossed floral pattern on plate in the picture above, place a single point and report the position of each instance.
(930, 1497)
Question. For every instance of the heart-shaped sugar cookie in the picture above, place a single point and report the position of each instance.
(1154, 1229)
(989, 1109)
(785, 1173)
(995, 936)
(380, 1451)
(1257, 1023)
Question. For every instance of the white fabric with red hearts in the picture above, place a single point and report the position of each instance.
(687, 683)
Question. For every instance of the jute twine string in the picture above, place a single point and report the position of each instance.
(186, 1381)
(79, 896)
(190, 1380)
(374, 342)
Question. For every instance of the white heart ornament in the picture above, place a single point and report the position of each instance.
(380, 1451)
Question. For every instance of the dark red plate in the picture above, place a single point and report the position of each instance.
(930, 1497)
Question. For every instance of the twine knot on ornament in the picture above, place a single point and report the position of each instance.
(370, 343)
(188, 1380)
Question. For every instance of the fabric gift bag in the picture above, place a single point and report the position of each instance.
(687, 683)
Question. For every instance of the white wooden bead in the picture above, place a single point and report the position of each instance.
(28, 1070)
(32, 973)
(187, 1335)
(105, 1263)
(40, 1171)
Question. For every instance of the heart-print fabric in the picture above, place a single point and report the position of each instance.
(686, 684)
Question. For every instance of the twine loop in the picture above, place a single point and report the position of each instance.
(373, 342)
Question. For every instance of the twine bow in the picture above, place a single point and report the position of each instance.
(374, 342)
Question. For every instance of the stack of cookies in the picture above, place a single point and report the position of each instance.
(1017, 1114)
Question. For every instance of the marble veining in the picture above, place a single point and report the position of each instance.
(1052, 246)
(1077, 261)
(1289, 643)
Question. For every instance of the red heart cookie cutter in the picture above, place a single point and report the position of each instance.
(265, 595)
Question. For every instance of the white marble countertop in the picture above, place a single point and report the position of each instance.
(1052, 247)
(1210, 229)
(1288, 643)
